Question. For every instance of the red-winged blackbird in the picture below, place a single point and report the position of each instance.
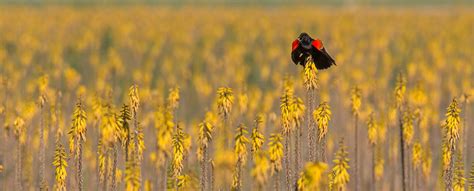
(306, 46)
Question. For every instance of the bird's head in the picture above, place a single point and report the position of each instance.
(305, 40)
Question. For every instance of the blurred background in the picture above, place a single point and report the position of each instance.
(98, 49)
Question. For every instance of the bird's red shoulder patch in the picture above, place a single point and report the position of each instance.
(295, 44)
(318, 44)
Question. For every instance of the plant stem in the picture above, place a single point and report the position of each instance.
(106, 173)
(276, 182)
(287, 162)
(239, 174)
(465, 132)
(18, 176)
(204, 170)
(297, 152)
(402, 148)
(450, 171)
(114, 169)
(79, 168)
(42, 182)
(3, 135)
(322, 149)
(212, 178)
(356, 161)
(310, 125)
(97, 154)
(374, 183)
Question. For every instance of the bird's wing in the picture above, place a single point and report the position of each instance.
(296, 51)
(323, 50)
(318, 44)
(295, 44)
(296, 55)
(322, 59)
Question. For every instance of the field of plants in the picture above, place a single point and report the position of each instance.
(208, 98)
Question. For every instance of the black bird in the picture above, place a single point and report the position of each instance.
(305, 46)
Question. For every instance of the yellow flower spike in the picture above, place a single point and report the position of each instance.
(381, 131)
(276, 152)
(407, 125)
(400, 89)
(43, 83)
(426, 164)
(81, 91)
(77, 138)
(183, 181)
(178, 151)
(451, 128)
(97, 107)
(211, 118)
(257, 137)
(134, 98)
(298, 109)
(340, 175)
(241, 141)
(452, 123)
(417, 154)
(109, 126)
(147, 186)
(355, 100)
(71, 78)
(19, 128)
(124, 133)
(262, 164)
(372, 129)
(173, 98)
(311, 176)
(286, 104)
(60, 164)
(205, 135)
(418, 95)
(102, 160)
(164, 125)
(240, 150)
(225, 99)
(310, 75)
(379, 164)
(119, 176)
(243, 100)
(78, 127)
(322, 115)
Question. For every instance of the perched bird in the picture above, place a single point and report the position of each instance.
(305, 46)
